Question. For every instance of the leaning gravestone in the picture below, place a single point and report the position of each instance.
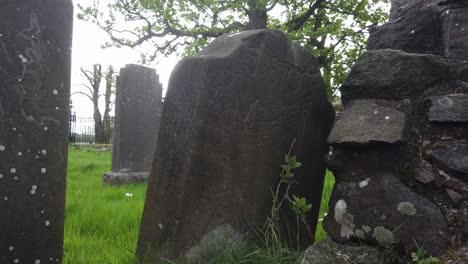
(35, 48)
(138, 108)
(400, 147)
(230, 116)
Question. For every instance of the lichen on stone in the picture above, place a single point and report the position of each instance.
(406, 208)
(383, 235)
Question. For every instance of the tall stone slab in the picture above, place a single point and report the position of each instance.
(138, 107)
(230, 116)
(35, 49)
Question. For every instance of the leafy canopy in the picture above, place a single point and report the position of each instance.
(335, 31)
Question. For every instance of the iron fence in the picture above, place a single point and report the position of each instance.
(87, 130)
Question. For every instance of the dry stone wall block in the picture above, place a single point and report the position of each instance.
(451, 108)
(392, 75)
(455, 33)
(367, 122)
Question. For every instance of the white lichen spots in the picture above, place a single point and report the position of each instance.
(14, 129)
(15, 178)
(16, 260)
(42, 211)
(447, 12)
(383, 217)
(43, 170)
(376, 112)
(44, 152)
(364, 183)
(13, 170)
(387, 118)
(34, 187)
(51, 259)
(340, 210)
(445, 102)
(55, 92)
(37, 157)
(383, 235)
(2, 148)
(160, 226)
(57, 108)
(330, 153)
(47, 223)
(1, 176)
(412, 31)
(46, 128)
(20, 153)
(33, 192)
(359, 233)
(346, 231)
(5, 198)
(1, 35)
(37, 261)
(20, 80)
(11, 248)
(406, 208)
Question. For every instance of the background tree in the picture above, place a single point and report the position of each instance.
(333, 30)
(92, 92)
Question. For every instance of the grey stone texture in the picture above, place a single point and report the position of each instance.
(230, 116)
(451, 108)
(392, 74)
(413, 189)
(138, 109)
(367, 122)
(35, 59)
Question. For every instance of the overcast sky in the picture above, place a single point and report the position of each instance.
(87, 41)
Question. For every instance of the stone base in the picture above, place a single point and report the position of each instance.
(125, 177)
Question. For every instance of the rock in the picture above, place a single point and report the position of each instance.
(454, 196)
(384, 212)
(455, 33)
(451, 156)
(464, 227)
(425, 173)
(35, 62)
(451, 108)
(329, 251)
(246, 94)
(392, 75)
(367, 122)
(138, 107)
(418, 31)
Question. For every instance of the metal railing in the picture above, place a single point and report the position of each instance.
(83, 130)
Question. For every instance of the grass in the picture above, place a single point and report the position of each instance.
(102, 222)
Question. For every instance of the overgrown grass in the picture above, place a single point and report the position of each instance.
(102, 222)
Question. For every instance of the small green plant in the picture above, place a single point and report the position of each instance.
(282, 195)
(422, 257)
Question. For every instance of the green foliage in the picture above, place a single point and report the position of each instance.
(335, 31)
(422, 257)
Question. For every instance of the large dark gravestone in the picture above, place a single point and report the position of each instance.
(138, 107)
(35, 48)
(230, 116)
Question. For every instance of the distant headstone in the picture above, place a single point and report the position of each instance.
(35, 59)
(138, 107)
(230, 116)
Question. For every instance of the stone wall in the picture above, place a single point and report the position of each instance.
(400, 147)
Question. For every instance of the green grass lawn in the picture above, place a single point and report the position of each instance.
(102, 222)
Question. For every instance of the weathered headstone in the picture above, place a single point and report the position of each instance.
(138, 108)
(35, 58)
(230, 116)
(400, 147)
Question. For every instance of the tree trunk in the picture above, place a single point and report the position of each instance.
(258, 15)
(107, 103)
